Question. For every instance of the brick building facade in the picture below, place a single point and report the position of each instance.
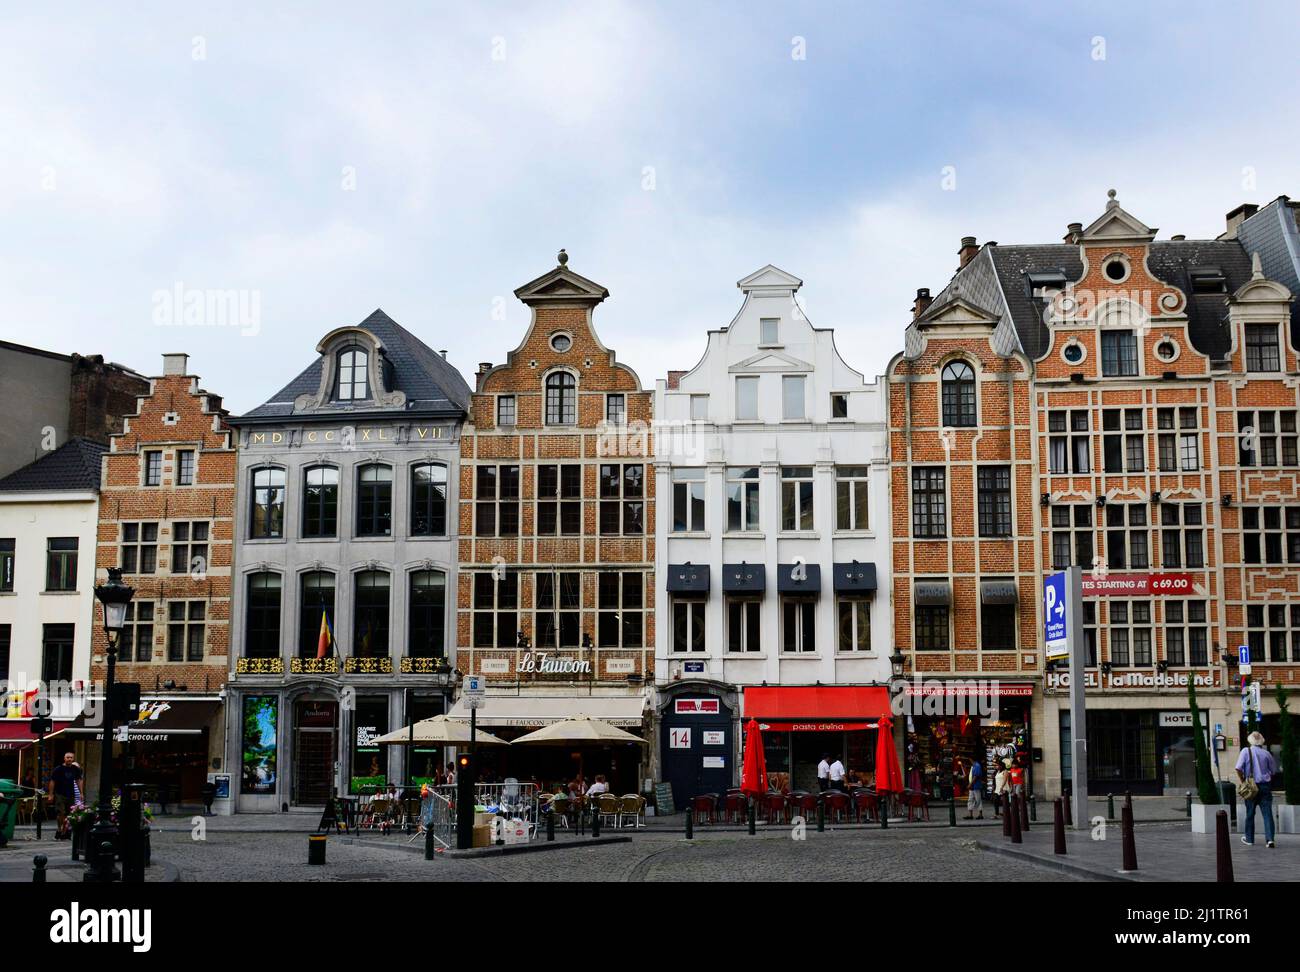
(166, 517)
(557, 510)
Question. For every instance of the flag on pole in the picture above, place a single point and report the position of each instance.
(326, 640)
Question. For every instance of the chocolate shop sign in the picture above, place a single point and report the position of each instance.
(1061, 680)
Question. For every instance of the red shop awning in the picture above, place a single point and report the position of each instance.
(17, 733)
(816, 708)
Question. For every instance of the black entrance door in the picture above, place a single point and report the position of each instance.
(696, 747)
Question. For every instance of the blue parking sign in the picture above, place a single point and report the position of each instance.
(1056, 629)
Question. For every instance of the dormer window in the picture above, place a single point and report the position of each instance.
(353, 380)
(561, 399)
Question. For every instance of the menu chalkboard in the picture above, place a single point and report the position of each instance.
(664, 800)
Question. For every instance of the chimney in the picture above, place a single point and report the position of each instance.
(1073, 232)
(922, 302)
(483, 368)
(1178, 237)
(443, 352)
(1237, 217)
(175, 364)
(675, 379)
(967, 252)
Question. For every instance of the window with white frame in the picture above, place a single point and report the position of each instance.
(742, 499)
(699, 408)
(747, 398)
(744, 630)
(1271, 534)
(1069, 442)
(138, 551)
(620, 609)
(768, 330)
(688, 625)
(1071, 535)
(1119, 353)
(153, 467)
(561, 398)
(1181, 450)
(851, 498)
(190, 547)
(798, 625)
(1122, 451)
(994, 501)
(622, 500)
(796, 498)
(1267, 438)
(688, 501)
(616, 409)
(353, 380)
(1270, 628)
(1182, 535)
(559, 500)
(496, 610)
(792, 397)
(1262, 349)
(1130, 633)
(1186, 634)
(505, 410)
(854, 623)
(185, 467)
(929, 502)
(1127, 536)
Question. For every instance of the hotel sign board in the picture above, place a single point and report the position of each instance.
(1137, 585)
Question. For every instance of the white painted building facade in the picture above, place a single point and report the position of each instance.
(772, 552)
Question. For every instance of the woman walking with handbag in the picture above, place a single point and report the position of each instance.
(1256, 788)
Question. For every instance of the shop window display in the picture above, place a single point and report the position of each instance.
(940, 749)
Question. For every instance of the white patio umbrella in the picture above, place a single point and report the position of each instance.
(578, 731)
(439, 729)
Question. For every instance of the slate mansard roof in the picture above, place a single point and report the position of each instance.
(1000, 278)
(73, 467)
(431, 383)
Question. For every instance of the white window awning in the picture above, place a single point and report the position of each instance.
(542, 710)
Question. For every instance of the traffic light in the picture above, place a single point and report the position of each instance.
(466, 772)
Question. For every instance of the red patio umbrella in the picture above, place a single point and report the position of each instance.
(753, 781)
(889, 778)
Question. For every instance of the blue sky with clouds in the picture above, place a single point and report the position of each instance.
(430, 158)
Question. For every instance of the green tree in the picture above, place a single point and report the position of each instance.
(1290, 749)
(1205, 788)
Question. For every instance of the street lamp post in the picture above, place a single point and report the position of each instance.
(897, 663)
(115, 596)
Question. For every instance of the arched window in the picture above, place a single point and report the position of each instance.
(316, 628)
(267, 499)
(320, 501)
(262, 634)
(428, 625)
(958, 394)
(429, 500)
(370, 610)
(561, 399)
(374, 501)
(353, 381)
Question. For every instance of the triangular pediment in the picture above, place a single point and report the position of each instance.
(561, 285)
(1117, 226)
(771, 361)
(955, 312)
(769, 278)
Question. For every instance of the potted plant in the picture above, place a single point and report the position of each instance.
(80, 819)
(1205, 808)
(1288, 814)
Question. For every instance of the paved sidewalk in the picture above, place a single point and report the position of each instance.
(1165, 852)
(17, 864)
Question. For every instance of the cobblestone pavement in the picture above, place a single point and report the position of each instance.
(844, 855)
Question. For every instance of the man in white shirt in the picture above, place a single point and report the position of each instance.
(824, 773)
(836, 774)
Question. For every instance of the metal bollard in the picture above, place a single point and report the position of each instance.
(1189, 803)
(821, 817)
(1069, 809)
(952, 806)
(1015, 820)
(429, 851)
(1005, 803)
(1058, 827)
(882, 808)
(1110, 806)
(1222, 849)
(315, 848)
(752, 823)
(595, 822)
(1033, 808)
(1130, 847)
(38, 870)
(550, 826)
(1024, 814)
(690, 823)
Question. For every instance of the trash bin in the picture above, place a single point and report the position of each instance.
(10, 792)
(1228, 797)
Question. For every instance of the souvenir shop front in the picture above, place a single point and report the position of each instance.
(802, 724)
(950, 723)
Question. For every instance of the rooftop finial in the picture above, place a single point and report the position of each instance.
(1111, 201)
(1256, 267)
(562, 257)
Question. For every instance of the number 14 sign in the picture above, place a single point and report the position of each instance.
(679, 739)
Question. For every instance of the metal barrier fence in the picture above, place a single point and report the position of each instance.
(437, 814)
(509, 800)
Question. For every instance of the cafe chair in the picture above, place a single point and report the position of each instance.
(837, 805)
(866, 805)
(561, 808)
(735, 807)
(916, 803)
(630, 807)
(775, 805)
(607, 805)
(705, 807)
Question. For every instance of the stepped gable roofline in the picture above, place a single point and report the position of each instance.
(415, 380)
(75, 466)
